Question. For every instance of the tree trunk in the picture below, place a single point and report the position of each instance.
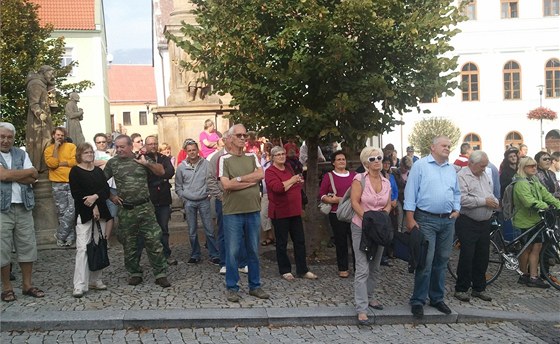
(317, 232)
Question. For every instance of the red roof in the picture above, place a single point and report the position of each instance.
(67, 14)
(131, 83)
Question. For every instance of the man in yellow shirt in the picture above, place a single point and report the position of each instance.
(60, 156)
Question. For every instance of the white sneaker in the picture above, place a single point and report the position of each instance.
(59, 243)
(98, 285)
(244, 269)
(223, 270)
(77, 293)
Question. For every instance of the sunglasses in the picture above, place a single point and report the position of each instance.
(373, 158)
(239, 136)
(190, 142)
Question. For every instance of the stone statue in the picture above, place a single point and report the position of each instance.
(196, 87)
(40, 98)
(73, 117)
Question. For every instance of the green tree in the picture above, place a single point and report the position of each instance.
(318, 67)
(24, 47)
(428, 128)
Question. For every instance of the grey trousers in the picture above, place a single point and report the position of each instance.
(366, 272)
(65, 209)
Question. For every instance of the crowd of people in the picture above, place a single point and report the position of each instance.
(241, 185)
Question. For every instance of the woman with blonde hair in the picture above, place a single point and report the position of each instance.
(374, 196)
(530, 196)
(165, 149)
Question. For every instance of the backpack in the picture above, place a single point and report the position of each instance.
(508, 209)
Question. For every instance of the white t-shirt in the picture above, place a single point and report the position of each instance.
(101, 155)
(16, 189)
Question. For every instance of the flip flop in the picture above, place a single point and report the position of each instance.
(288, 277)
(34, 291)
(377, 306)
(8, 296)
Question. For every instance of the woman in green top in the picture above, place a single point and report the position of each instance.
(530, 196)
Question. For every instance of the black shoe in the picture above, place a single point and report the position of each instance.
(523, 279)
(442, 307)
(417, 311)
(215, 261)
(134, 280)
(537, 283)
(12, 277)
(194, 261)
(386, 263)
(163, 282)
(171, 261)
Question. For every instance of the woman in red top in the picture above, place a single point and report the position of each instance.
(284, 209)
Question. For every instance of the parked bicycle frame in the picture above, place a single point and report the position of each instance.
(504, 253)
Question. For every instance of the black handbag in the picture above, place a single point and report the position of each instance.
(98, 257)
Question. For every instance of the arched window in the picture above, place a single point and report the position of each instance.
(512, 80)
(513, 138)
(469, 82)
(474, 140)
(552, 78)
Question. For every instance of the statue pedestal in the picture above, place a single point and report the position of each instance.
(177, 123)
(45, 213)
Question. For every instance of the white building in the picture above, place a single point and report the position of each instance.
(507, 49)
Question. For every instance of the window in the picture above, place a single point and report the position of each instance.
(470, 10)
(509, 9)
(474, 140)
(512, 80)
(469, 82)
(67, 59)
(552, 78)
(513, 138)
(551, 8)
(143, 118)
(126, 118)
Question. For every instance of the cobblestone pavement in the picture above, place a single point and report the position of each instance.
(201, 286)
(500, 332)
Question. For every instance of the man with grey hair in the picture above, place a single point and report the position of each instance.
(473, 227)
(17, 229)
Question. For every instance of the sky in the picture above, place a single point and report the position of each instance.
(128, 25)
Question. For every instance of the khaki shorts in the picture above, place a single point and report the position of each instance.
(17, 232)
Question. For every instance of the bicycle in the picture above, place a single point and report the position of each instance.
(504, 253)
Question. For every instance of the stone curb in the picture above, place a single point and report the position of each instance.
(209, 317)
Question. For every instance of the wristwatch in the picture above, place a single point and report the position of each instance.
(238, 179)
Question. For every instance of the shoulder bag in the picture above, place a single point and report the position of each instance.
(98, 257)
(345, 212)
(326, 208)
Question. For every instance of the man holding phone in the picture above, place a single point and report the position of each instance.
(432, 200)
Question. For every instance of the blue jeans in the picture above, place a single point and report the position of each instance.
(237, 227)
(430, 281)
(221, 245)
(203, 208)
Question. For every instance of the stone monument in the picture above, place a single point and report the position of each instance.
(73, 117)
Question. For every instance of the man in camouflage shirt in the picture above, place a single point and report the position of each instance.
(136, 213)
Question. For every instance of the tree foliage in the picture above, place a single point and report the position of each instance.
(428, 128)
(24, 47)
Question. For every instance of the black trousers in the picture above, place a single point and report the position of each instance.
(473, 259)
(342, 236)
(292, 226)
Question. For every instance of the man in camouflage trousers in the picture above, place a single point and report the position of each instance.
(136, 213)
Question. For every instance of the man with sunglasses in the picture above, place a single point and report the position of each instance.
(432, 200)
(240, 174)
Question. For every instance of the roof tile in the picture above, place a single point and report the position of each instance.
(131, 83)
(67, 14)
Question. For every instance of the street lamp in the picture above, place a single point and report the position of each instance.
(541, 87)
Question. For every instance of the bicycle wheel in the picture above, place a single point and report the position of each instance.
(495, 261)
(550, 263)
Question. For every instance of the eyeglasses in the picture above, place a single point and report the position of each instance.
(279, 154)
(239, 136)
(373, 158)
(546, 159)
(100, 142)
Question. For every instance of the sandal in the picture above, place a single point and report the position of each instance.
(343, 274)
(363, 322)
(376, 305)
(309, 275)
(34, 291)
(8, 296)
(288, 277)
(267, 242)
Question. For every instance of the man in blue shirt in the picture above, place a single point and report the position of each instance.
(432, 202)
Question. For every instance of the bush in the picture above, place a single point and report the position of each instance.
(428, 128)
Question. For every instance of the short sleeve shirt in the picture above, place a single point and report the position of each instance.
(239, 201)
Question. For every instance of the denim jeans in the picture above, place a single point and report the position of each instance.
(163, 215)
(203, 208)
(221, 246)
(237, 227)
(430, 281)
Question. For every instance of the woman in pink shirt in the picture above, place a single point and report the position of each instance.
(376, 196)
(208, 138)
(284, 209)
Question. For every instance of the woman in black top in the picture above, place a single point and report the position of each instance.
(90, 191)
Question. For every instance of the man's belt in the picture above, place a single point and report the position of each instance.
(441, 216)
(130, 205)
